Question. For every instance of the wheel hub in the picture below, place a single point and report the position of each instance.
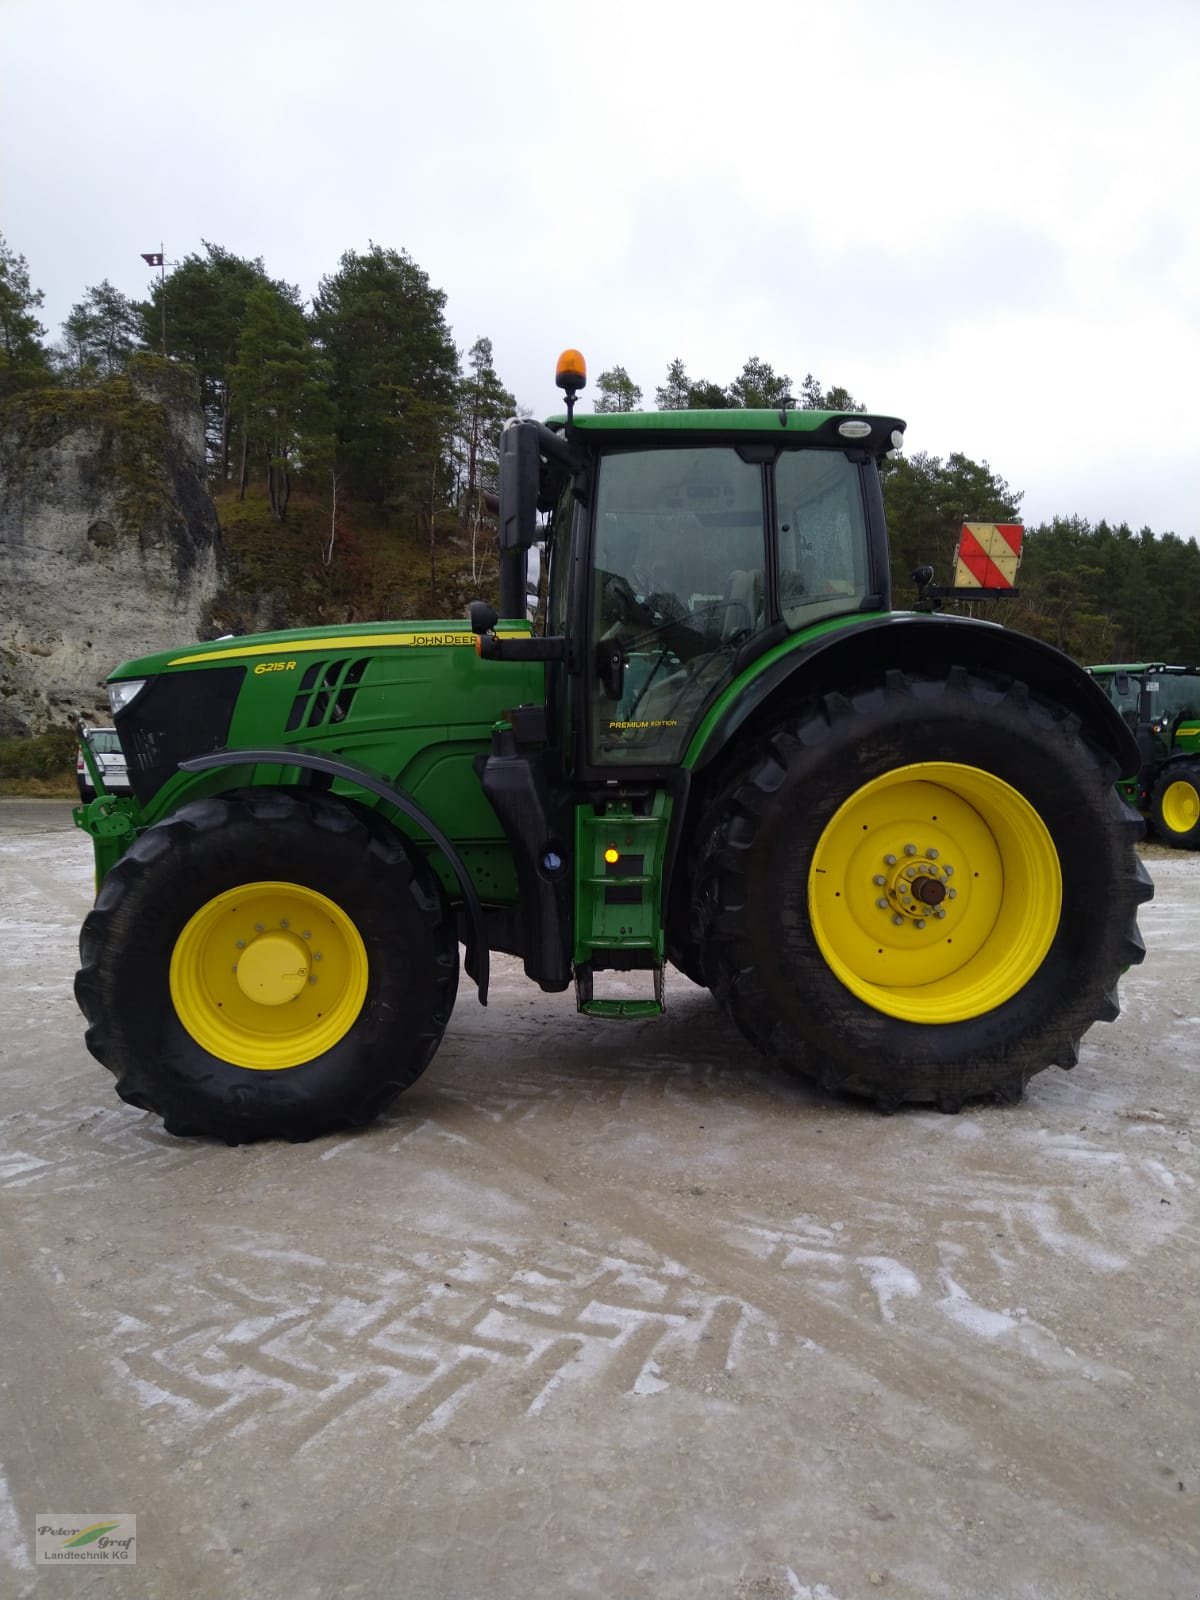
(935, 892)
(268, 975)
(915, 884)
(273, 969)
(931, 891)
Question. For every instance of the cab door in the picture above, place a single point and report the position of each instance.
(678, 586)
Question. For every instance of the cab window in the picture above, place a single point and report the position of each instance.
(678, 585)
(823, 567)
(558, 549)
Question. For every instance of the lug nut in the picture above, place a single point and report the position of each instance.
(882, 903)
(910, 873)
(910, 849)
(306, 934)
(940, 915)
(283, 922)
(879, 880)
(920, 922)
(951, 894)
(898, 920)
(889, 861)
(240, 945)
(932, 854)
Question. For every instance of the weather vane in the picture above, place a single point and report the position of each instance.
(157, 258)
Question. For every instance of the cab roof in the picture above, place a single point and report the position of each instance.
(816, 427)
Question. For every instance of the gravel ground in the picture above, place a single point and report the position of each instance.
(604, 1310)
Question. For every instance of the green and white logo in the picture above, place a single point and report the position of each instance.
(72, 1536)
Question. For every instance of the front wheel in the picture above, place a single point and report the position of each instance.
(269, 964)
(1175, 805)
(924, 891)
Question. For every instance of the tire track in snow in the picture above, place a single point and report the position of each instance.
(930, 1368)
(447, 1323)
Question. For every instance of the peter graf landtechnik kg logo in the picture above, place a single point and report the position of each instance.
(70, 1536)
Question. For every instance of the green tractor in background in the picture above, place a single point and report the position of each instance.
(889, 843)
(1161, 704)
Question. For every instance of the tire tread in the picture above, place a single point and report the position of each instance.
(721, 914)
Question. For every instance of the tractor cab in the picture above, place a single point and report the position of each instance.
(683, 547)
(1160, 703)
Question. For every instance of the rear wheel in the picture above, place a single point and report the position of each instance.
(1175, 805)
(925, 891)
(271, 964)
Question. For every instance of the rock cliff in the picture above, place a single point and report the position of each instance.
(109, 542)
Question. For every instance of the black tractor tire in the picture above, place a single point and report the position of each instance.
(390, 973)
(1175, 805)
(686, 928)
(757, 897)
(688, 958)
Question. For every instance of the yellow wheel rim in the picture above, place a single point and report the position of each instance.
(268, 975)
(1181, 806)
(935, 892)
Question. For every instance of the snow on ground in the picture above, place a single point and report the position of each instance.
(606, 1310)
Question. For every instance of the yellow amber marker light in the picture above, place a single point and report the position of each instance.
(612, 856)
(571, 372)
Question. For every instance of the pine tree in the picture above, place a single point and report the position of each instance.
(617, 391)
(759, 386)
(814, 398)
(205, 306)
(393, 375)
(100, 334)
(675, 393)
(23, 360)
(706, 396)
(278, 392)
(928, 499)
(484, 404)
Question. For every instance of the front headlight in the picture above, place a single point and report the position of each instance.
(124, 693)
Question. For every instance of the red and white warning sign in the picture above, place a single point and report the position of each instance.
(988, 555)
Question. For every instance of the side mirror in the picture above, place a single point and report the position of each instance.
(519, 467)
(1121, 683)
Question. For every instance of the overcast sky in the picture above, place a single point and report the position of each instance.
(982, 217)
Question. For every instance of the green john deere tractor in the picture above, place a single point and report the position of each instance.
(1161, 705)
(889, 843)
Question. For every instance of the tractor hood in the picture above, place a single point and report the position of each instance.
(261, 647)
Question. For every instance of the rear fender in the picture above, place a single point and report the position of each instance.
(909, 642)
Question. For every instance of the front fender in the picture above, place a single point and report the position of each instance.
(478, 960)
(837, 658)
